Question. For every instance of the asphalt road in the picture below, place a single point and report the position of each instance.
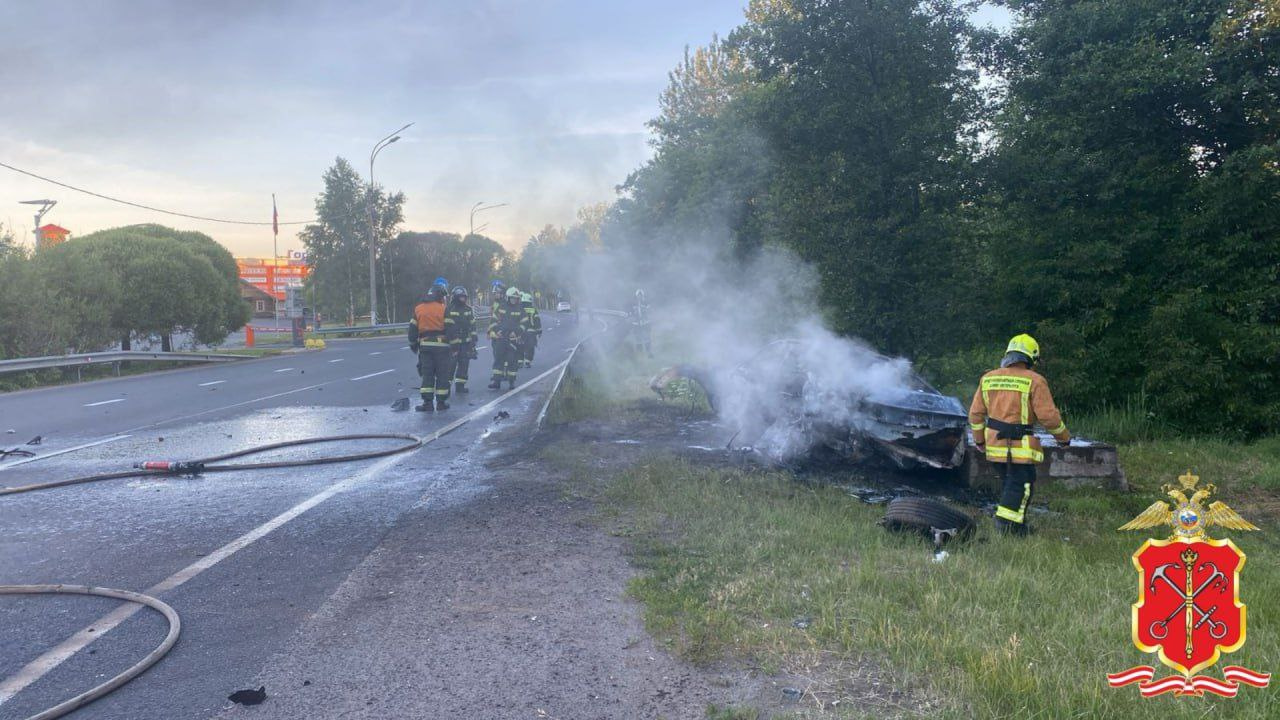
(245, 558)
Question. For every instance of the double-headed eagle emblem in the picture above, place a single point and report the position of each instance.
(1189, 610)
(1189, 517)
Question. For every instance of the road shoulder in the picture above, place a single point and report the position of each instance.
(510, 605)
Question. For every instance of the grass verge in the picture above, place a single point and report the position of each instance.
(730, 560)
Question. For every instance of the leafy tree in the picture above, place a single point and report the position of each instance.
(338, 245)
(154, 280)
(419, 258)
(1135, 185)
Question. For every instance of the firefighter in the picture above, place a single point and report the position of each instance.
(1008, 404)
(496, 293)
(534, 331)
(460, 329)
(427, 339)
(507, 332)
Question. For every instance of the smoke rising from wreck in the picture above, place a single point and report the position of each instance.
(754, 331)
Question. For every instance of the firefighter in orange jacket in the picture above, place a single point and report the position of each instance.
(1008, 404)
(435, 360)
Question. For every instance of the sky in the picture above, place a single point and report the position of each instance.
(208, 108)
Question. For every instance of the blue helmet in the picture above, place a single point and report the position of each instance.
(442, 283)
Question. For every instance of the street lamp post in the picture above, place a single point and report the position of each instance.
(45, 206)
(479, 208)
(373, 245)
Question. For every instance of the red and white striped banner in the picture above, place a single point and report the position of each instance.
(1233, 677)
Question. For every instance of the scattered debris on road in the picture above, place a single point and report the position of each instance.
(400, 405)
(249, 697)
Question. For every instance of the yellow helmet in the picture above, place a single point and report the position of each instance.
(1026, 345)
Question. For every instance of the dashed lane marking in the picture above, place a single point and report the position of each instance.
(51, 659)
(212, 382)
(104, 402)
(366, 377)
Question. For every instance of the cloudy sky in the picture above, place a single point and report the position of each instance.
(209, 107)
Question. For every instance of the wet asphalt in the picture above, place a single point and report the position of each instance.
(133, 534)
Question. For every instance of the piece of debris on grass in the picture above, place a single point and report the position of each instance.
(802, 623)
(249, 697)
(791, 693)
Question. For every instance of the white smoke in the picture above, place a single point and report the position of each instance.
(755, 328)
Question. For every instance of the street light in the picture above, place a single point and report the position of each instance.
(478, 209)
(373, 281)
(45, 206)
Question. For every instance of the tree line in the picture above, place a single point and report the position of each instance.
(1104, 175)
(407, 262)
(112, 287)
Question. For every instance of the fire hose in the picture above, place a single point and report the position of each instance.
(209, 464)
(213, 464)
(153, 657)
(166, 468)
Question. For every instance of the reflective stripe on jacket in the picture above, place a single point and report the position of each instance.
(1018, 396)
(459, 324)
(426, 327)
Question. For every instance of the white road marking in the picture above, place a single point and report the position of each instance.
(225, 407)
(366, 377)
(282, 370)
(406, 347)
(483, 347)
(63, 451)
(334, 361)
(104, 402)
(51, 659)
(212, 382)
(376, 352)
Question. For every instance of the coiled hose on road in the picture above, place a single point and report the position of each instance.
(153, 657)
(209, 464)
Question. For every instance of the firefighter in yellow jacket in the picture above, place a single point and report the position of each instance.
(1007, 406)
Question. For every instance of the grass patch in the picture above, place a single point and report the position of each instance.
(1006, 627)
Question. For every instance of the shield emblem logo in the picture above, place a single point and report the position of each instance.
(1188, 610)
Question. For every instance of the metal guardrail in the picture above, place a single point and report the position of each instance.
(111, 356)
(357, 329)
(353, 329)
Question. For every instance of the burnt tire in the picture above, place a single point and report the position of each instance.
(925, 515)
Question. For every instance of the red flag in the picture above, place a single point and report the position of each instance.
(275, 216)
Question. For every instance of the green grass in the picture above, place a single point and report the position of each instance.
(1004, 627)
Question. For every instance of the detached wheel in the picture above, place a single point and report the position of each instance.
(924, 515)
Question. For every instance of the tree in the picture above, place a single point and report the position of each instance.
(419, 258)
(338, 245)
(1135, 183)
(153, 280)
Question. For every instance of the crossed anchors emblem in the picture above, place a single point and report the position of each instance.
(1189, 610)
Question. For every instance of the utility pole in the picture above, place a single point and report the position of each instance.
(45, 206)
(373, 245)
(477, 208)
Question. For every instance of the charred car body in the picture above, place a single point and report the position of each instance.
(791, 401)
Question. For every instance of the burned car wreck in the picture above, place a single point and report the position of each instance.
(797, 399)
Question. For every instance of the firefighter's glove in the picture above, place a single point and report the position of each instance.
(413, 347)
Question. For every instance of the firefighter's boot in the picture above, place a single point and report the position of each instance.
(425, 406)
(460, 388)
